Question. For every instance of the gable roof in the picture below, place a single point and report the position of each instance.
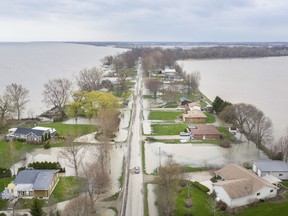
(194, 114)
(182, 99)
(271, 165)
(204, 129)
(26, 131)
(39, 178)
(240, 182)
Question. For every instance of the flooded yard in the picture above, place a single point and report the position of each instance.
(200, 155)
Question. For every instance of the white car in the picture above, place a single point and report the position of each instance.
(137, 169)
(185, 134)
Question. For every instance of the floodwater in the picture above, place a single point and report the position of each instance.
(258, 81)
(151, 197)
(52, 155)
(33, 64)
(200, 155)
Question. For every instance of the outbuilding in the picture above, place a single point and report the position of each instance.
(276, 168)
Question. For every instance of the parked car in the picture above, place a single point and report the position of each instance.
(185, 134)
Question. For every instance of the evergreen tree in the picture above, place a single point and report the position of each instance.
(36, 208)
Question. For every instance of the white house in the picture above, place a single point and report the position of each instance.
(276, 168)
(239, 186)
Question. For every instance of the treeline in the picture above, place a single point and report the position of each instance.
(44, 166)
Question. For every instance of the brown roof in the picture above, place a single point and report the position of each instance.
(194, 104)
(240, 182)
(205, 129)
(194, 114)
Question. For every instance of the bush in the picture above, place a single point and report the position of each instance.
(201, 187)
(47, 145)
(225, 143)
(47, 166)
(5, 173)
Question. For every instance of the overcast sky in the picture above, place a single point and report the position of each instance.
(144, 20)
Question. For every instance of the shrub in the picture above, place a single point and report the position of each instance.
(201, 187)
(5, 173)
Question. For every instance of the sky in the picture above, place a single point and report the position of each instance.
(144, 20)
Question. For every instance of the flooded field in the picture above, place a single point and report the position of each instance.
(200, 155)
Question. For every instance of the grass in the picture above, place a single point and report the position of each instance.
(4, 182)
(170, 105)
(285, 183)
(194, 169)
(9, 156)
(226, 134)
(210, 117)
(148, 96)
(266, 209)
(68, 129)
(168, 129)
(3, 204)
(162, 115)
(199, 202)
(67, 188)
(146, 207)
(143, 157)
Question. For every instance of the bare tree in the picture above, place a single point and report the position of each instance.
(96, 182)
(192, 81)
(262, 133)
(19, 97)
(153, 85)
(79, 206)
(167, 183)
(74, 154)
(213, 207)
(280, 150)
(90, 79)
(108, 122)
(5, 109)
(57, 92)
(171, 93)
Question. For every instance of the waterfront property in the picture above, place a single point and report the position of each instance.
(195, 116)
(35, 135)
(184, 101)
(204, 132)
(34, 183)
(239, 186)
(276, 168)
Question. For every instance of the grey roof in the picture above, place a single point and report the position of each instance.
(26, 131)
(39, 178)
(271, 165)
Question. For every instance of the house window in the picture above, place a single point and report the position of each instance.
(280, 174)
(271, 191)
(258, 194)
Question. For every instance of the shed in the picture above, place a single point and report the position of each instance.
(276, 168)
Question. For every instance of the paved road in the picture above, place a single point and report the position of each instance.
(135, 198)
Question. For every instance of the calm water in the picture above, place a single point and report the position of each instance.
(260, 81)
(33, 64)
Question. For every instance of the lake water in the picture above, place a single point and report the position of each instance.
(33, 64)
(258, 81)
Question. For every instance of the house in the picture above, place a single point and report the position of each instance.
(52, 131)
(276, 168)
(194, 106)
(195, 116)
(239, 186)
(34, 183)
(184, 101)
(30, 135)
(170, 73)
(203, 132)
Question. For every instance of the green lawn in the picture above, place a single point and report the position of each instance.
(199, 203)
(226, 134)
(285, 183)
(9, 157)
(266, 209)
(162, 115)
(68, 129)
(168, 129)
(67, 188)
(210, 117)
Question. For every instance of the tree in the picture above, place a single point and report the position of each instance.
(108, 121)
(19, 97)
(192, 81)
(280, 151)
(153, 85)
(90, 79)
(74, 154)
(171, 93)
(213, 207)
(5, 109)
(77, 207)
(219, 104)
(167, 186)
(57, 92)
(36, 208)
(96, 182)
